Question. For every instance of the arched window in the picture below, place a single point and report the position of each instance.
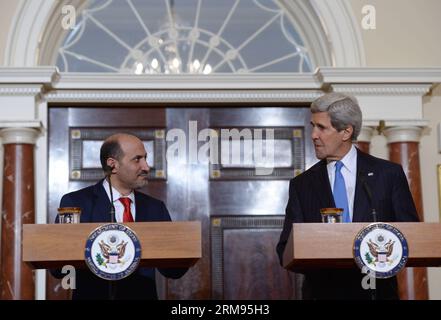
(191, 36)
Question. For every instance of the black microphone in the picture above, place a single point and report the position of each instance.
(112, 287)
(374, 215)
(112, 207)
(369, 194)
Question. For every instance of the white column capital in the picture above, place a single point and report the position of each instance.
(20, 132)
(403, 134)
(365, 134)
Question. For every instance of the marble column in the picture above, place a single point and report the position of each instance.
(17, 278)
(403, 143)
(364, 139)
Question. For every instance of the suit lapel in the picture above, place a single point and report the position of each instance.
(101, 205)
(365, 172)
(322, 185)
(141, 208)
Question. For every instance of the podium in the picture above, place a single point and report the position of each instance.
(163, 244)
(322, 245)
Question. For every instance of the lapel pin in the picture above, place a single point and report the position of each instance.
(370, 174)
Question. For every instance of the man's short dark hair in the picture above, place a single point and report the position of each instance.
(110, 149)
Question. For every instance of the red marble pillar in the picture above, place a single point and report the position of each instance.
(16, 278)
(403, 145)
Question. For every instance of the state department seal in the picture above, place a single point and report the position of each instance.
(381, 248)
(113, 251)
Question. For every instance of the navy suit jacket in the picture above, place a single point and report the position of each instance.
(311, 191)
(95, 207)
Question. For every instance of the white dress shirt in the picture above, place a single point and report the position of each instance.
(119, 208)
(349, 172)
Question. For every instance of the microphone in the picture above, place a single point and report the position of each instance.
(109, 169)
(369, 194)
(374, 215)
(112, 207)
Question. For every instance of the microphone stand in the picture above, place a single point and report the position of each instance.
(112, 207)
(112, 288)
(374, 218)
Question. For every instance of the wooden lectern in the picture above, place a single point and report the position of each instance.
(163, 244)
(330, 245)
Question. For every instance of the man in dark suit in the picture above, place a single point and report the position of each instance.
(336, 123)
(124, 159)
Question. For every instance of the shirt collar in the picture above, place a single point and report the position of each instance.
(349, 160)
(116, 193)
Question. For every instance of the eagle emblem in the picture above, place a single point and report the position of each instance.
(381, 248)
(380, 252)
(112, 251)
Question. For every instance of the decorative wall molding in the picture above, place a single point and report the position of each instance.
(23, 45)
(358, 80)
(343, 32)
(20, 90)
(383, 89)
(380, 75)
(174, 96)
(40, 75)
(188, 82)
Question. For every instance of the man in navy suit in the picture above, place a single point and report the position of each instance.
(124, 159)
(369, 183)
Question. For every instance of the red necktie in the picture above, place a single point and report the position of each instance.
(127, 216)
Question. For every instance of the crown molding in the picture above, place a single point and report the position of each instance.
(367, 81)
(380, 75)
(187, 82)
(176, 96)
(20, 90)
(33, 75)
(383, 89)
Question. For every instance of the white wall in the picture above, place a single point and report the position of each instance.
(406, 34)
(7, 12)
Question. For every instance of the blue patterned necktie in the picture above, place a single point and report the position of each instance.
(340, 196)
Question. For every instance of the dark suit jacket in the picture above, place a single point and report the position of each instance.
(311, 191)
(95, 207)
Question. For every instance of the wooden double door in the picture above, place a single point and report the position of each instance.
(241, 211)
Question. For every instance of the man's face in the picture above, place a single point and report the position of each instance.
(328, 142)
(131, 170)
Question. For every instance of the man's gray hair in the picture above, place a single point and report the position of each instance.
(342, 109)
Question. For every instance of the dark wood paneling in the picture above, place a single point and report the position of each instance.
(244, 262)
(251, 269)
(187, 190)
(117, 117)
